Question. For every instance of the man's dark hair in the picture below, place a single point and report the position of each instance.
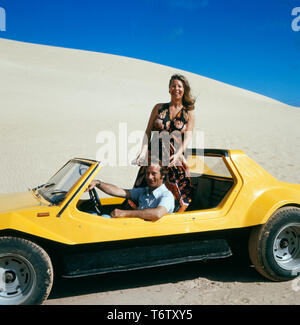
(163, 169)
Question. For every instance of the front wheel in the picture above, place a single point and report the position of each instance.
(26, 273)
(274, 247)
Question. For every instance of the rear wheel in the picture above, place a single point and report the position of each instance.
(274, 247)
(26, 273)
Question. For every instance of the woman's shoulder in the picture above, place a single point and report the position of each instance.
(160, 106)
(188, 112)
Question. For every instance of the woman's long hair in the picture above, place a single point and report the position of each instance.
(187, 101)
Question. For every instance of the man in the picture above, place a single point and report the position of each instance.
(154, 201)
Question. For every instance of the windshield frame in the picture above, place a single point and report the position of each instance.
(58, 197)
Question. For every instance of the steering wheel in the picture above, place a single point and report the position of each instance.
(95, 199)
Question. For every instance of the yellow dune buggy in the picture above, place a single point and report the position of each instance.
(56, 228)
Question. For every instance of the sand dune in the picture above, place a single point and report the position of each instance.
(54, 102)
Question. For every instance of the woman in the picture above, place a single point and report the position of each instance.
(177, 120)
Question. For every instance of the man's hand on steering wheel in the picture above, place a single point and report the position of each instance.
(94, 196)
(93, 184)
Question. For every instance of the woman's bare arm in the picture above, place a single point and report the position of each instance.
(147, 134)
(188, 134)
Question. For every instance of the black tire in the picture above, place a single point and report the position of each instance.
(274, 247)
(26, 272)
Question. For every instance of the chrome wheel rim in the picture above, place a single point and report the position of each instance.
(17, 279)
(286, 248)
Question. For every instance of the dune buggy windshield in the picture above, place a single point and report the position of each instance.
(60, 184)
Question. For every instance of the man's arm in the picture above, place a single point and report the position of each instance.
(151, 214)
(109, 189)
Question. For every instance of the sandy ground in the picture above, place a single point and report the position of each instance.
(54, 102)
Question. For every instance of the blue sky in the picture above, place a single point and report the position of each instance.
(249, 44)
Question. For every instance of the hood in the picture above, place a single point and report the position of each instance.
(18, 201)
